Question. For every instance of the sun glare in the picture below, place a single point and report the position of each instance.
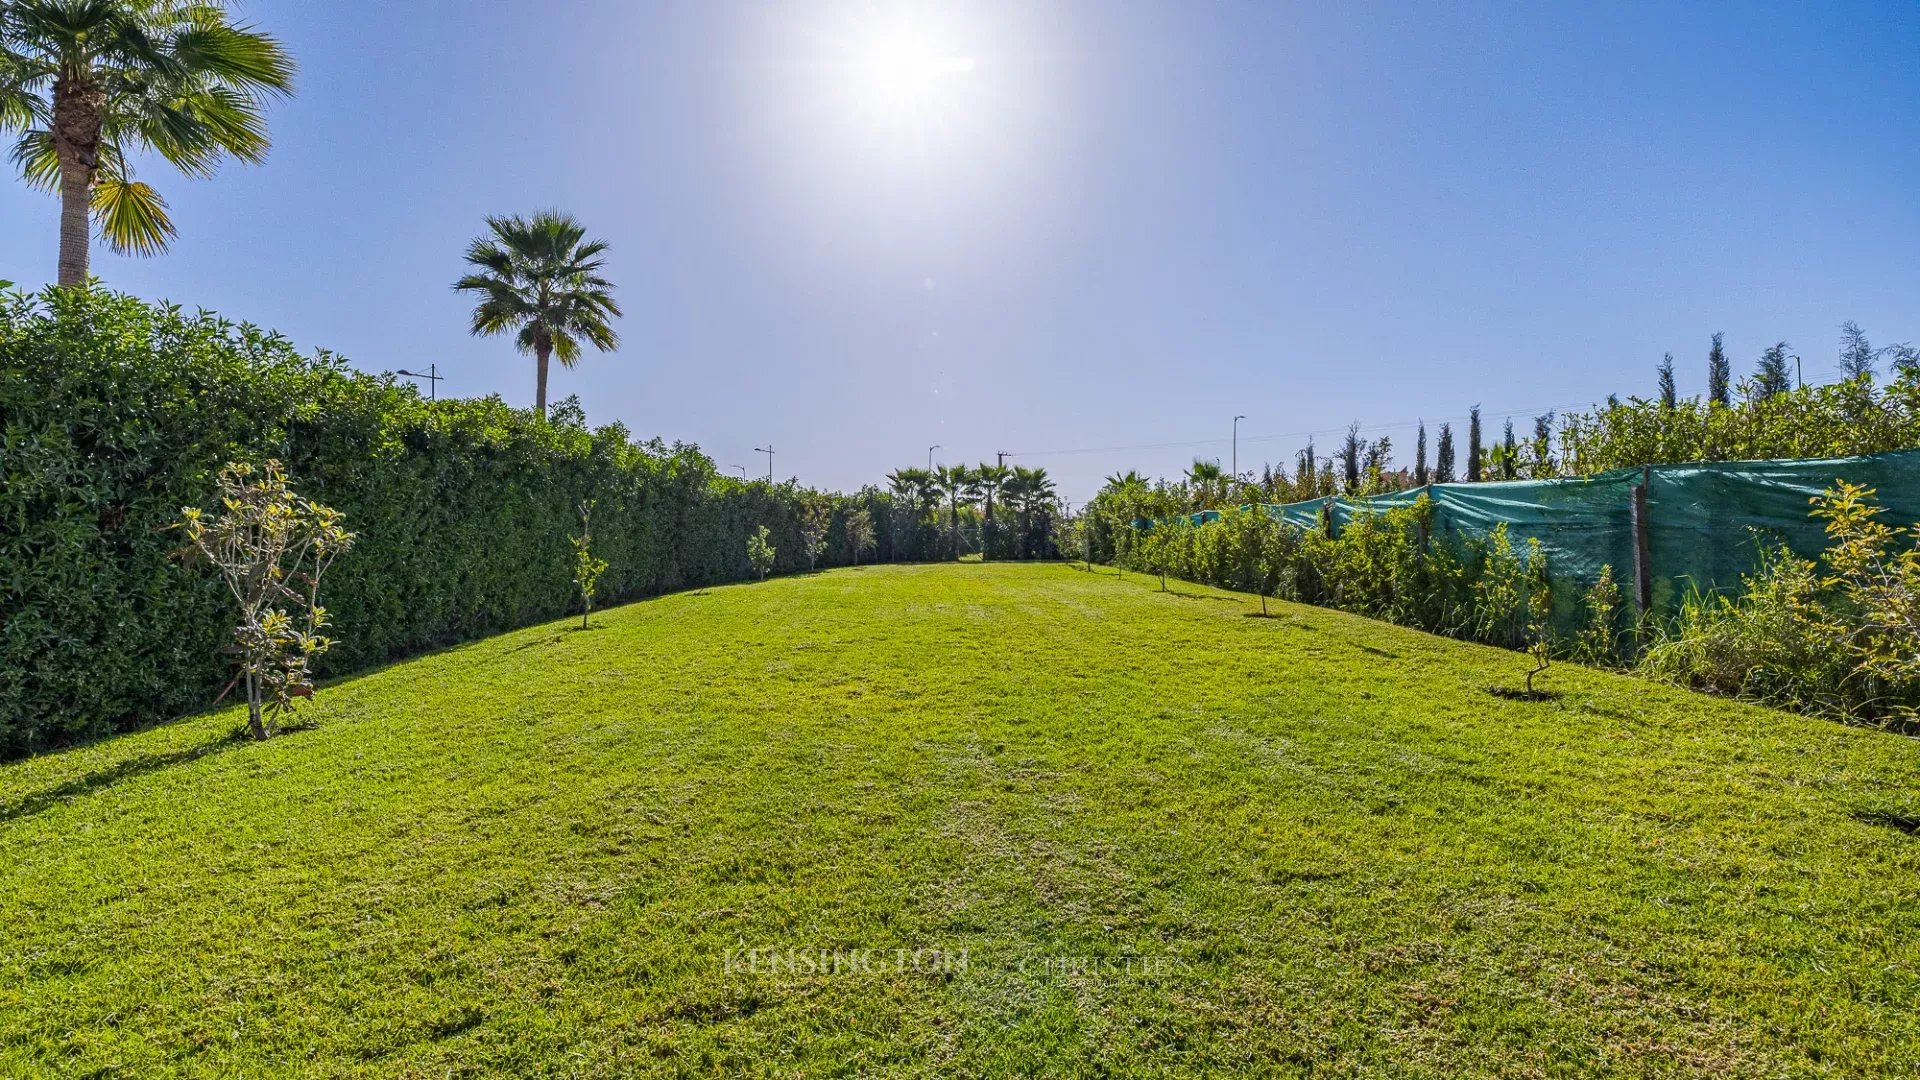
(902, 70)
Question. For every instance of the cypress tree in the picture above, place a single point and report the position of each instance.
(1510, 455)
(1443, 459)
(1420, 476)
(1542, 463)
(1350, 457)
(1668, 396)
(1473, 446)
(1719, 374)
(1773, 376)
(1856, 352)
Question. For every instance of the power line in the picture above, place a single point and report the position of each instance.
(1503, 413)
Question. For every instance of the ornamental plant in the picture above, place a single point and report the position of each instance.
(816, 520)
(271, 547)
(586, 568)
(760, 552)
(1875, 570)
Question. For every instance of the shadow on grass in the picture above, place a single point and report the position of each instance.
(33, 803)
(1514, 693)
(1906, 823)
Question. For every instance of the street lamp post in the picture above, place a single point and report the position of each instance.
(433, 377)
(767, 450)
(742, 468)
(930, 451)
(1236, 446)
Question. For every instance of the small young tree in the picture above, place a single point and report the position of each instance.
(1539, 611)
(760, 552)
(1599, 637)
(859, 532)
(271, 547)
(586, 568)
(816, 518)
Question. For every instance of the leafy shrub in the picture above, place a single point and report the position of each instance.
(587, 568)
(271, 549)
(115, 413)
(1836, 420)
(1499, 594)
(1598, 641)
(1771, 643)
(760, 553)
(1840, 635)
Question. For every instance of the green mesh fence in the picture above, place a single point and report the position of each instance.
(1705, 522)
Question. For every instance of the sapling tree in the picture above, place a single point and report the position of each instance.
(1597, 639)
(859, 530)
(760, 552)
(1539, 611)
(586, 568)
(271, 547)
(816, 518)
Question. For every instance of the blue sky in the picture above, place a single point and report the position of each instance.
(1119, 226)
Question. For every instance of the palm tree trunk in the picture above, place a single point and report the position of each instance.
(986, 532)
(77, 108)
(75, 226)
(542, 350)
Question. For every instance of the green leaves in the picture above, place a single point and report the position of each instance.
(540, 280)
(133, 217)
(119, 413)
(177, 80)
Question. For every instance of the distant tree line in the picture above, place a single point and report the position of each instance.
(1769, 414)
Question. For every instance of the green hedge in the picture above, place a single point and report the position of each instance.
(116, 413)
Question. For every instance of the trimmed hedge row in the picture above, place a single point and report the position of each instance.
(114, 414)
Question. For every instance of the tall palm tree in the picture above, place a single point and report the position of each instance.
(1029, 491)
(540, 276)
(984, 483)
(952, 480)
(87, 83)
(901, 483)
(916, 487)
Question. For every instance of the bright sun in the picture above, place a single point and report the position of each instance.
(902, 70)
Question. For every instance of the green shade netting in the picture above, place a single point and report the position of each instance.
(1705, 521)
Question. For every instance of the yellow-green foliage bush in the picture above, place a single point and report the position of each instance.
(1840, 634)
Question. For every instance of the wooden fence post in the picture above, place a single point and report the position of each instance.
(1642, 555)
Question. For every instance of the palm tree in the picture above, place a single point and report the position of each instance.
(859, 526)
(87, 83)
(1129, 479)
(1205, 478)
(984, 483)
(1028, 492)
(541, 277)
(951, 481)
(914, 486)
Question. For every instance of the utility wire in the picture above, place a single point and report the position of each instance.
(1503, 414)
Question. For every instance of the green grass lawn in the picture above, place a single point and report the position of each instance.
(1130, 832)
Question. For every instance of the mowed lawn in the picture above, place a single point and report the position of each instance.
(1117, 832)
